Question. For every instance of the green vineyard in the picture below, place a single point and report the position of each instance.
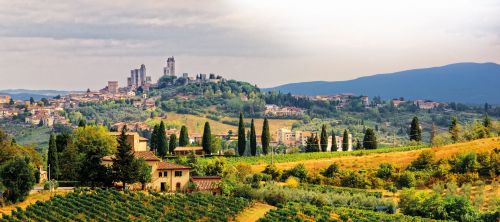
(306, 212)
(111, 205)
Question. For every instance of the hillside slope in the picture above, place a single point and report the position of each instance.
(460, 82)
(397, 158)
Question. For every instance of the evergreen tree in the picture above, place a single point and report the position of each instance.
(312, 144)
(323, 138)
(415, 131)
(172, 144)
(206, 142)
(433, 132)
(62, 141)
(487, 124)
(370, 140)
(52, 160)
(184, 137)
(266, 137)
(18, 178)
(162, 140)
(454, 129)
(11, 102)
(153, 142)
(69, 162)
(334, 142)
(345, 141)
(253, 139)
(359, 146)
(32, 101)
(241, 136)
(124, 168)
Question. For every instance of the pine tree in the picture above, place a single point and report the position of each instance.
(323, 138)
(253, 139)
(345, 141)
(266, 137)
(370, 140)
(241, 136)
(454, 129)
(184, 137)
(123, 165)
(415, 131)
(162, 140)
(206, 142)
(52, 158)
(334, 142)
(172, 144)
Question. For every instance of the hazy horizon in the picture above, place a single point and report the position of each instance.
(77, 45)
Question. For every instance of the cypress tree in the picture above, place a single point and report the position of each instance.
(334, 142)
(312, 144)
(123, 167)
(253, 139)
(487, 124)
(241, 136)
(323, 138)
(162, 140)
(266, 137)
(52, 159)
(154, 138)
(206, 142)
(415, 131)
(433, 132)
(172, 144)
(184, 137)
(454, 129)
(370, 140)
(345, 141)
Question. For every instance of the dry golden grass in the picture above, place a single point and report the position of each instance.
(254, 213)
(31, 199)
(195, 123)
(401, 159)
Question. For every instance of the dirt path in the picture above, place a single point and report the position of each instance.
(254, 213)
(396, 158)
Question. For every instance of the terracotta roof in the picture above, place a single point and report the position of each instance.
(206, 182)
(171, 166)
(146, 155)
(188, 148)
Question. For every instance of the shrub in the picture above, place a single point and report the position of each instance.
(273, 171)
(405, 180)
(385, 171)
(331, 171)
(299, 171)
(50, 184)
(355, 180)
(425, 161)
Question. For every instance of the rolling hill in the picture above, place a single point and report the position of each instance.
(25, 94)
(473, 83)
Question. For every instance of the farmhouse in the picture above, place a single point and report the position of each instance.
(185, 150)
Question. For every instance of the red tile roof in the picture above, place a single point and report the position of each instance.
(204, 183)
(146, 155)
(171, 166)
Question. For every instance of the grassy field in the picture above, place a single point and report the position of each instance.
(254, 213)
(402, 159)
(195, 123)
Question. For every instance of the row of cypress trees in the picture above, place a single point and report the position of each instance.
(162, 145)
(265, 137)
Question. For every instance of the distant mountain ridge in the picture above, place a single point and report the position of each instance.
(473, 83)
(25, 94)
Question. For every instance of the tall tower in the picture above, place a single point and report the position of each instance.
(142, 75)
(170, 68)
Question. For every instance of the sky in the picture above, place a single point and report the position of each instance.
(74, 45)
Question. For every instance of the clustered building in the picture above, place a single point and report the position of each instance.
(289, 137)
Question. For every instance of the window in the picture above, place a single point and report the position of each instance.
(178, 173)
(160, 174)
(165, 174)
